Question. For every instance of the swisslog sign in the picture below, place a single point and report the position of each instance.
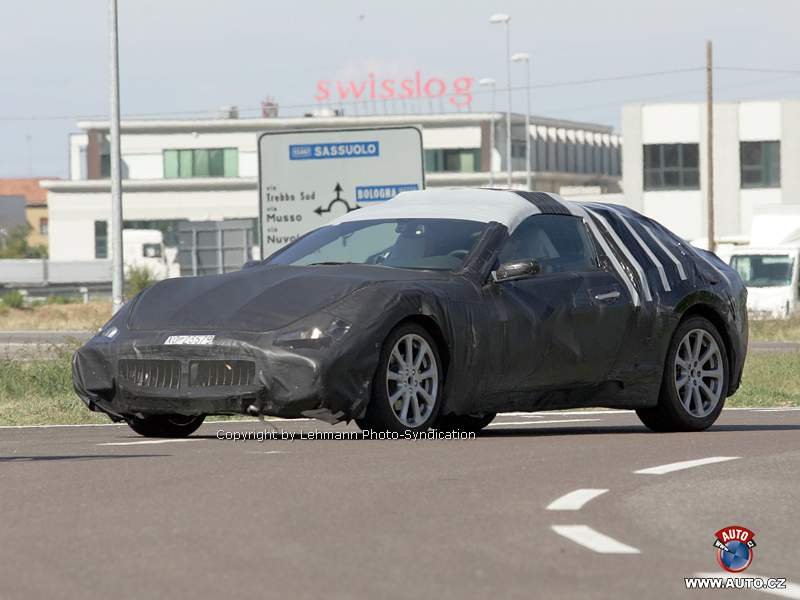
(309, 177)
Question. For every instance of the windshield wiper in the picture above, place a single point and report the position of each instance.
(332, 262)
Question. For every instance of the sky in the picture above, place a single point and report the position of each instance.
(187, 58)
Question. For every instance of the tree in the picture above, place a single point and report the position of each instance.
(14, 244)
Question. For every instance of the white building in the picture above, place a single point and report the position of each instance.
(756, 159)
(207, 169)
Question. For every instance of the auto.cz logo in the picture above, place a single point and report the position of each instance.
(734, 546)
(334, 150)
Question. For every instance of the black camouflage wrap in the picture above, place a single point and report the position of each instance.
(535, 344)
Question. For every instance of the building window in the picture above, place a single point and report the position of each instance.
(101, 239)
(44, 226)
(671, 167)
(201, 162)
(760, 164)
(518, 150)
(461, 160)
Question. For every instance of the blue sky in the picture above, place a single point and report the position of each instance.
(188, 57)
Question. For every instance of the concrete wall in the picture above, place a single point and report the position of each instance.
(72, 215)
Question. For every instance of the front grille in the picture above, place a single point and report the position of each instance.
(210, 373)
(151, 373)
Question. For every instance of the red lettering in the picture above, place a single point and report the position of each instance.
(357, 91)
(408, 89)
(388, 89)
(323, 93)
(439, 83)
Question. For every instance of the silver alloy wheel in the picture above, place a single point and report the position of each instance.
(412, 380)
(699, 373)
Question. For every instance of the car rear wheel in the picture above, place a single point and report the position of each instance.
(468, 423)
(165, 426)
(408, 384)
(695, 381)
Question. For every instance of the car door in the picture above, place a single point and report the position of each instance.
(564, 326)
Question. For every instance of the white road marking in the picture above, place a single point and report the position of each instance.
(142, 442)
(686, 464)
(792, 589)
(268, 452)
(575, 500)
(593, 540)
(541, 422)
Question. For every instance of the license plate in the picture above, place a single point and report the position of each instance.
(189, 340)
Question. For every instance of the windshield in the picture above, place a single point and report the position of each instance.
(764, 270)
(438, 244)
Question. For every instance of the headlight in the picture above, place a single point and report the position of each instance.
(314, 336)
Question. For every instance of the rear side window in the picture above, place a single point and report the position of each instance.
(559, 243)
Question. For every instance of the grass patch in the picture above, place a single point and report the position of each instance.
(39, 392)
(769, 379)
(783, 330)
(55, 317)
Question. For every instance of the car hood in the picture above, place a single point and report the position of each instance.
(261, 298)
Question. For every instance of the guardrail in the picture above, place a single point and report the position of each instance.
(43, 272)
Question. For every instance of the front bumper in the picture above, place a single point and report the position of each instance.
(241, 373)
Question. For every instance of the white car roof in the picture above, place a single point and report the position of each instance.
(501, 206)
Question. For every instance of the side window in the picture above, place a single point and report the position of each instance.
(559, 243)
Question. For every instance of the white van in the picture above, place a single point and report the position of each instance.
(771, 277)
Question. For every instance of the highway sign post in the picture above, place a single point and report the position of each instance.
(309, 177)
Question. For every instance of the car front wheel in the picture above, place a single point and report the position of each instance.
(165, 426)
(695, 381)
(408, 384)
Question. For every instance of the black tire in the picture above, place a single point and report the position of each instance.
(468, 423)
(165, 426)
(380, 415)
(670, 414)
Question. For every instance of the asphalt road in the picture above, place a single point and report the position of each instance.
(98, 512)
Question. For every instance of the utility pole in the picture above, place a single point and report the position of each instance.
(116, 175)
(488, 81)
(712, 245)
(501, 18)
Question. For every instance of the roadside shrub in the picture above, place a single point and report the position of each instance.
(57, 299)
(138, 278)
(14, 299)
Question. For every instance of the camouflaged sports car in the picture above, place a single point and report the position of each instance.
(436, 309)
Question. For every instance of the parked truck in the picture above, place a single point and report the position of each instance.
(144, 248)
(770, 264)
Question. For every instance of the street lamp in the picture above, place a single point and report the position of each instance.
(504, 19)
(489, 82)
(116, 175)
(524, 57)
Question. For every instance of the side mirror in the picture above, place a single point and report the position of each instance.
(519, 269)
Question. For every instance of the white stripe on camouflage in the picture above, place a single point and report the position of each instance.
(579, 211)
(678, 264)
(645, 247)
(626, 252)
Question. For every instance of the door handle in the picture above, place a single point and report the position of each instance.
(607, 296)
